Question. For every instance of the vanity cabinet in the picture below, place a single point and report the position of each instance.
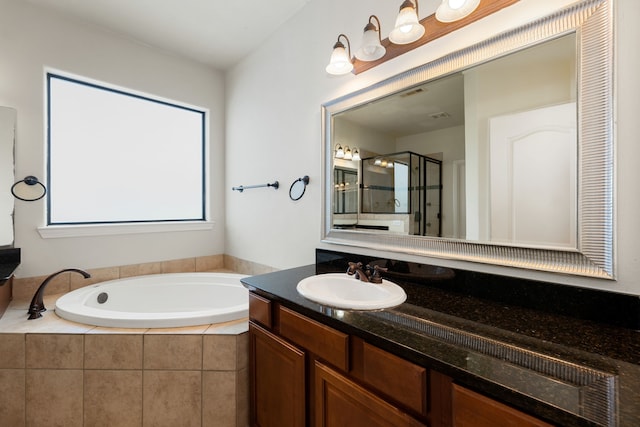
(304, 373)
(471, 409)
(277, 380)
(5, 294)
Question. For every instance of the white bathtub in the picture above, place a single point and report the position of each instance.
(158, 301)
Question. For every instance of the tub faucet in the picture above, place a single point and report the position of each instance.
(366, 274)
(37, 304)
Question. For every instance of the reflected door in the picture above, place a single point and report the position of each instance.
(533, 158)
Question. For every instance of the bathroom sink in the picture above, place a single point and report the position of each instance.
(343, 291)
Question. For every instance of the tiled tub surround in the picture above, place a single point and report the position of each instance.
(607, 353)
(24, 288)
(59, 373)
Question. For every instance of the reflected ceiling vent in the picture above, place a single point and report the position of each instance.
(412, 92)
(440, 115)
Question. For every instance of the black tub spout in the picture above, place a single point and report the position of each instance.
(37, 304)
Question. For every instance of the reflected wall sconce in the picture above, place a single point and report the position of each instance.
(28, 189)
(371, 48)
(346, 153)
(408, 28)
(454, 10)
(340, 62)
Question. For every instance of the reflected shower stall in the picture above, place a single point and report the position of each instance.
(401, 192)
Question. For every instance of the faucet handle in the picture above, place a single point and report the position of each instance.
(376, 276)
(353, 268)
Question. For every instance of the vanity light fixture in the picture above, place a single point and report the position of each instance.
(454, 10)
(339, 152)
(408, 28)
(371, 48)
(340, 62)
(356, 154)
(347, 153)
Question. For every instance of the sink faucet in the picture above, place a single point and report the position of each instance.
(37, 304)
(366, 274)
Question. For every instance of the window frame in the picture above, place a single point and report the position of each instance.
(99, 227)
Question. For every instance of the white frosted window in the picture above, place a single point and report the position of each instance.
(119, 157)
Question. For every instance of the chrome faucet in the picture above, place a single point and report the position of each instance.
(366, 274)
(37, 304)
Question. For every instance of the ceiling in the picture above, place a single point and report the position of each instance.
(218, 33)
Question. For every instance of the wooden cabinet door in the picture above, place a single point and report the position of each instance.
(340, 402)
(277, 381)
(471, 409)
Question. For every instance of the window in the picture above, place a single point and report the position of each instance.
(120, 157)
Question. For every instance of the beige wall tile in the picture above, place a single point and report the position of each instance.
(104, 351)
(172, 352)
(12, 401)
(219, 352)
(140, 269)
(242, 397)
(245, 267)
(112, 398)
(54, 351)
(219, 399)
(234, 327)
(54, 397)
(172, 398)
(97, 275)
(25, 289)
(12, 351)
(187, 265)
(242, 351)
(210, 263)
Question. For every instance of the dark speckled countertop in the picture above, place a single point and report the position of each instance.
(9, 261)
(493, 345)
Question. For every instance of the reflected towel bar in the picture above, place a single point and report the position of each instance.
(241, 188)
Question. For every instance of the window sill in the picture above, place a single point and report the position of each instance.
(58, 231)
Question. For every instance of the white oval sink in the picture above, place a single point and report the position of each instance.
(343, 291)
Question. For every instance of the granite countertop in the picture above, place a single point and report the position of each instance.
(9, 262)
(600, 356)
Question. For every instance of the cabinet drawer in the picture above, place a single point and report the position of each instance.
(471, 409)
(323, 341)
(340, 402)
(401, 380)
(260, 310)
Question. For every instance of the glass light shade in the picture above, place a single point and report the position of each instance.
(340, 63)
(371, 48)
(454, 10)
(408, 29)
(339, 152)
(347, 153)
(356, 155)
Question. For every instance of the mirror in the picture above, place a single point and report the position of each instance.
(7, 134)
(518, 131)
